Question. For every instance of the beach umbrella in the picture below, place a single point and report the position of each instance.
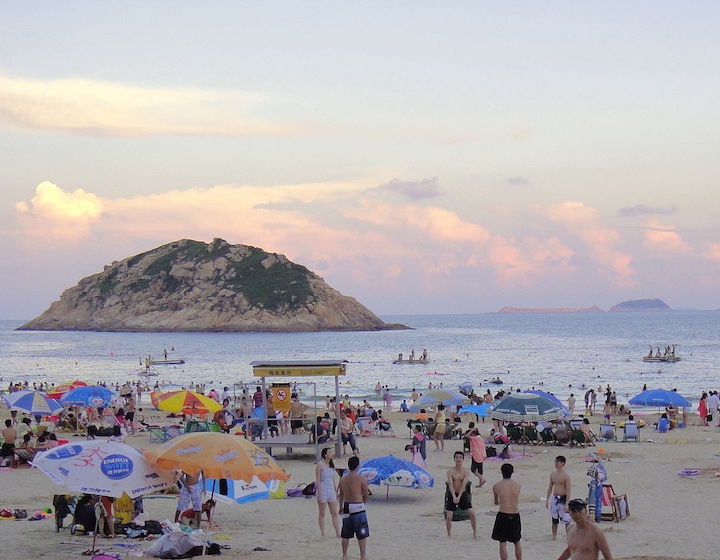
(187, 402)
(237, 491)
(32, 402)
(217, 455)
(526, 407)
(481, 410)
(59, 390)
(435, 397)
(393, 471)
(89, 395)
(100, 467)
(659, 397)
(550, 396)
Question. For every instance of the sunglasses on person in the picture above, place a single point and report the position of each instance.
(576, 505)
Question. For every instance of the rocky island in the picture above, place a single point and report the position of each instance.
(642, 305)
(206, 287)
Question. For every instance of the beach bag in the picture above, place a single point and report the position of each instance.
(309, 490)
(20, 513)
(709, 417)
(490, 451)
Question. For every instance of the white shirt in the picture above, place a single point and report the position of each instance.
(713, 403)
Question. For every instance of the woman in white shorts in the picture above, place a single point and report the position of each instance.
(326, 491)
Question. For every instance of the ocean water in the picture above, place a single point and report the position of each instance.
(561, 353)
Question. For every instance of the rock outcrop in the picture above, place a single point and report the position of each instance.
(642, 305)
(193, 286)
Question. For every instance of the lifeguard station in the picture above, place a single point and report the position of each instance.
(294, 369)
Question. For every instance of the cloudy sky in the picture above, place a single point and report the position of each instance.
(422, 157)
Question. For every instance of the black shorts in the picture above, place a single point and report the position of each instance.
(476, 467)
(7, 450)
(465, 502)
(129, 416)
(507, 527)
(296, 424)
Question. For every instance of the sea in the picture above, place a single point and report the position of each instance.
(558, 353)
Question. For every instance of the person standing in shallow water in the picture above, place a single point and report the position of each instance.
(507, 526)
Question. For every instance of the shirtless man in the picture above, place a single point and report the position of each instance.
(352, 494)
(557, 493)
(190, 495)
(457, 493)
(9, 434)
(507, 521)
(585, 540)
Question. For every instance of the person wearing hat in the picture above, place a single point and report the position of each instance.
(585, 541)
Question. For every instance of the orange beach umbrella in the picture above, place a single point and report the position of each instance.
(217, 456)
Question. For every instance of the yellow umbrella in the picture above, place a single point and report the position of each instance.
(217, 456)
(187, 402)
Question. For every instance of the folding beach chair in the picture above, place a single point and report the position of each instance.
(631, 431)
(366, 426)
(161, 434)
(614, 506)
(607, 432)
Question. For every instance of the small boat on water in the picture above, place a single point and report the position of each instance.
(177, 362)
(412, 361)
(667, 356)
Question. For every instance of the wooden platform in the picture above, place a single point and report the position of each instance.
(288, 441)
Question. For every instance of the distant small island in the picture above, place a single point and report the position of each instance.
(641, 305)
(593, 309)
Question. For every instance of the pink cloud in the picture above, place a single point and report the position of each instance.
(583, 221)
(529, 258)
(664, 238)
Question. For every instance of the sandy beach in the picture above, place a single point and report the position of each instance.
(671, 517)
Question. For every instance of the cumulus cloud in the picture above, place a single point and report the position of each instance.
(54, 212)
(642, 210)
(424, 188)
(664, 238)
(529, 258)
(584, 222)
(99, 108)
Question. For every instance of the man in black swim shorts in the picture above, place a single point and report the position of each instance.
(507, 521)
(457, 493)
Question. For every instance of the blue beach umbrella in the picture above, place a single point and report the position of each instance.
(91, 395)
(237, 491)
(550, 396)
(659, 397)
(393, 471)
(32, 402)
(526, 407)
(481, 410)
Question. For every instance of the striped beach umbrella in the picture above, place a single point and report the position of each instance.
(32, 402)
(59, 390)
(187, 402)
(526, 407)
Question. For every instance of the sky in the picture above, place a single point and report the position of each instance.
(421, 157)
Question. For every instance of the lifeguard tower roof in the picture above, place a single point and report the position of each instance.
(298, 368)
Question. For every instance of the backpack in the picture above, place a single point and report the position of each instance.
(309, 490)
(491, 451)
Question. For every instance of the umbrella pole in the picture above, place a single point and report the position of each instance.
(92, 550)
(387, 493)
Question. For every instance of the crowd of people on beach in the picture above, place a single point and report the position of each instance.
(344, 498)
